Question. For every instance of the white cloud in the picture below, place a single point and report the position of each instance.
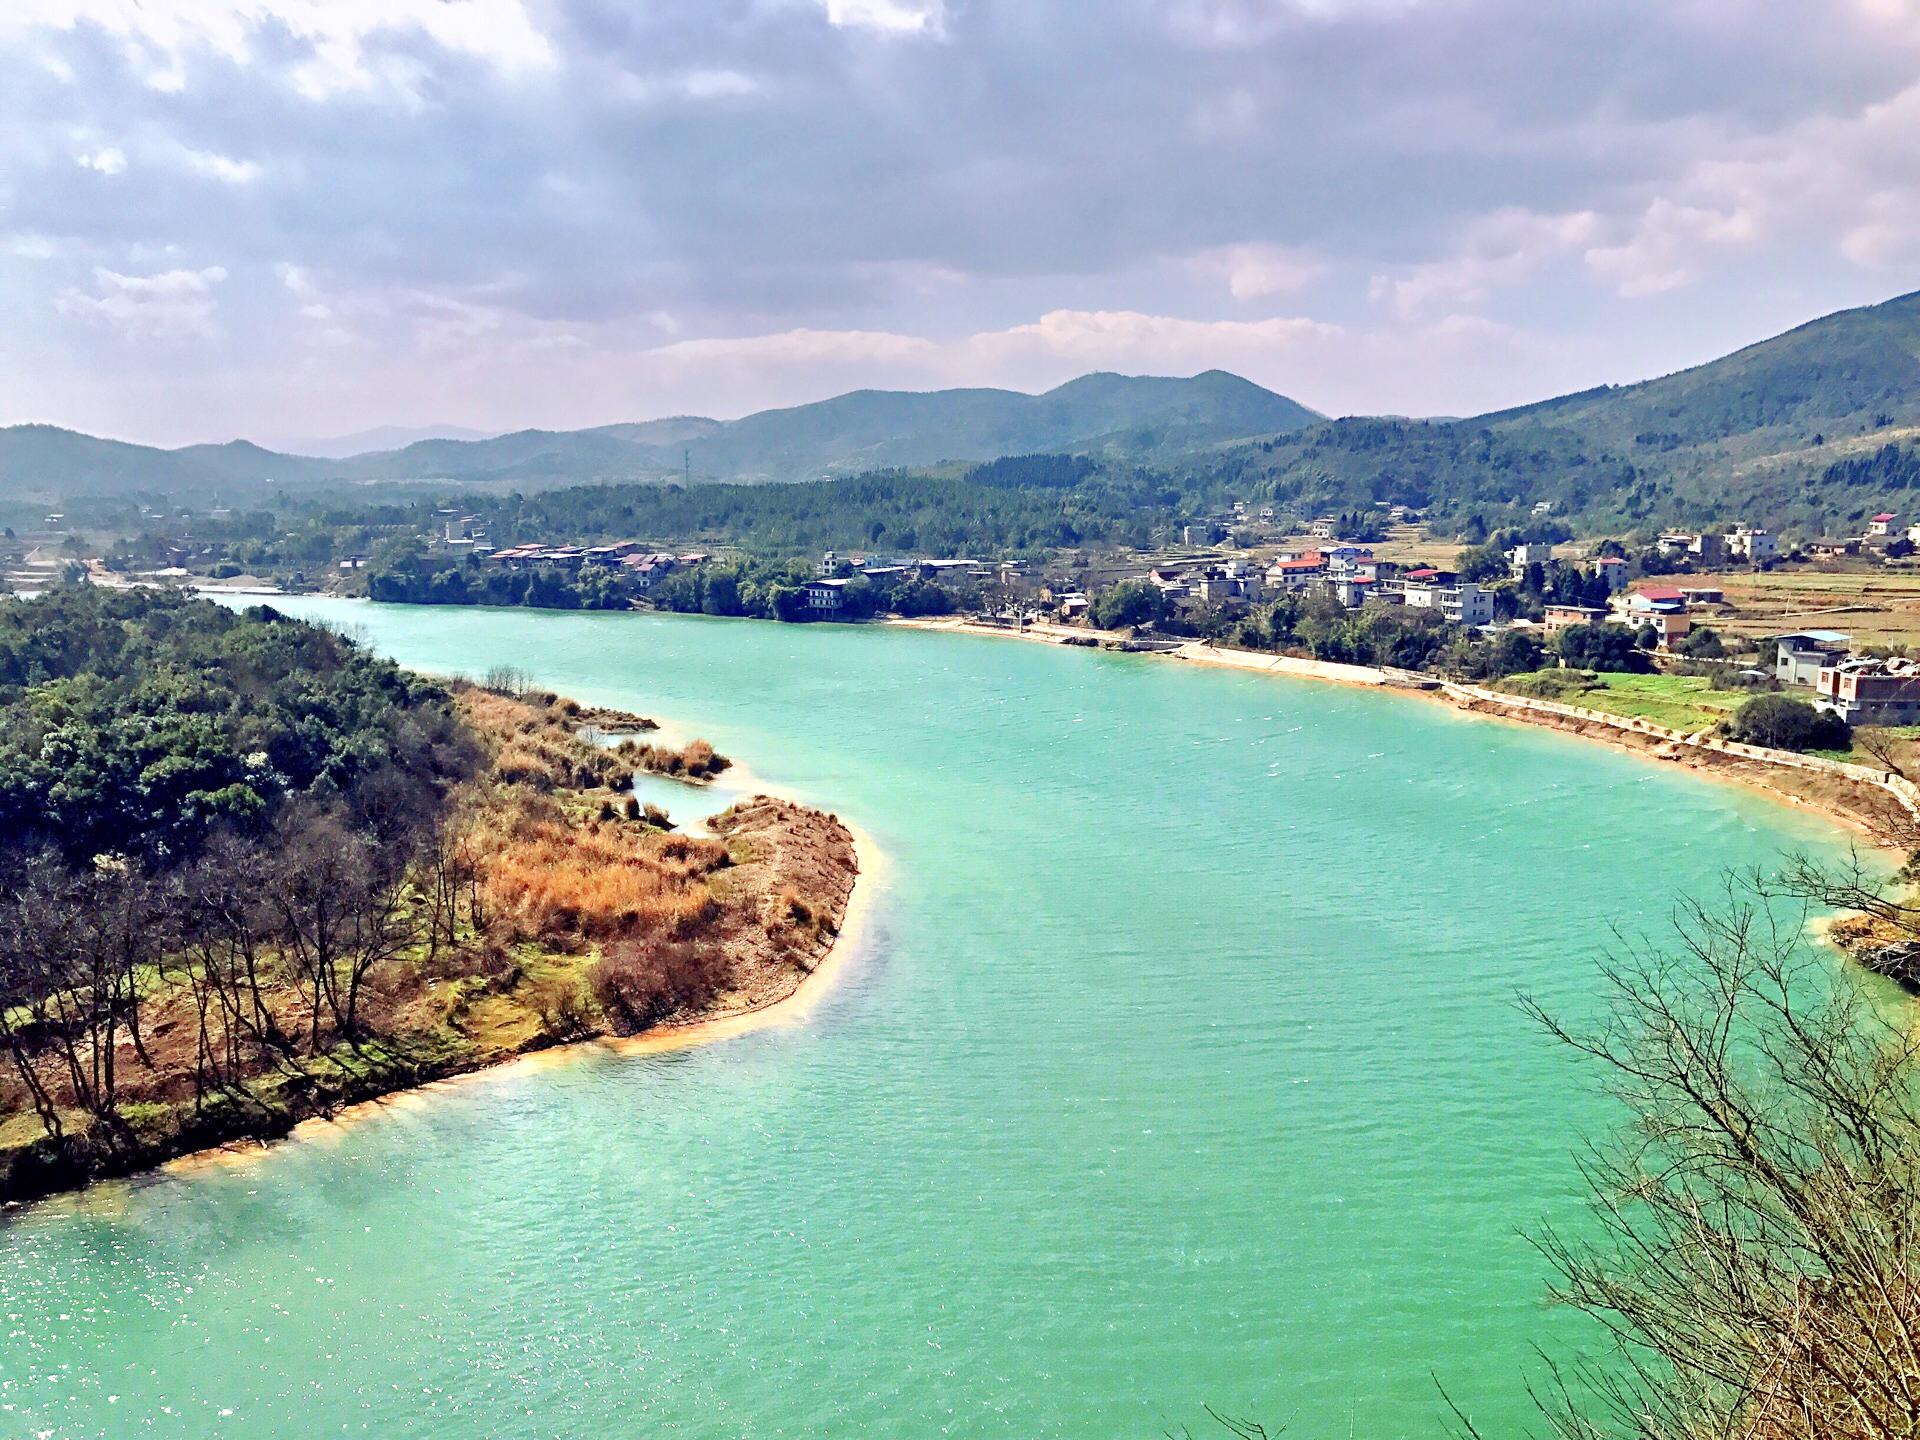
(802, 347)
(890, 17)
(1108, 338)
(162, 36)
(697, 84)
(223, 168)
(1506, 248)
(1666, 247)
(108, 160)
(812, 208)
(1260, 272)
(170, 304)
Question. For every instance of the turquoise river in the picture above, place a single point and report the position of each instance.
(1177, 1065)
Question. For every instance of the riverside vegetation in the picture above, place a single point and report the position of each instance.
(250, 873)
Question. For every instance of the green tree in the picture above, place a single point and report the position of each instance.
(1600, 647)
(1130, 603)
(1781, 722)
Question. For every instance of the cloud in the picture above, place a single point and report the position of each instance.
(1099, 339)
(1498, 251)
(1260, 272)
(108, 160)
(889, 17)
(334, 40)
(802, 346)
(223, 168)
(908, 192)
(168, 305)
(1667, 245)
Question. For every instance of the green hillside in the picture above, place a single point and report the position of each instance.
(849, 434)
(1806, 432)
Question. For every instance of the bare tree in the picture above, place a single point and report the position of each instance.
(1885, 746)
(341, 900)
(81, 947)
(226, 959)
(1758, 1219)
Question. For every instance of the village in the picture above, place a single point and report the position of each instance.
(1735, 604)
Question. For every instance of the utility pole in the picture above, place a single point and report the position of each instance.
(686, 466)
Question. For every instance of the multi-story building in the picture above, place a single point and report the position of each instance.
(1559, 617)
(1872, 692)
(1461, 601)
(1800, 658)
(1752, 545)
(1614, 571)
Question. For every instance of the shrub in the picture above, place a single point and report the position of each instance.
(1781, 722)
(1565, 685)
(1600, 647)
(640, 983)
(561, 1005)
(1702, 644)
(698, 761)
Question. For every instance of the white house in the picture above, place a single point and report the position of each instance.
(1752, 545)
(1800, 657)
(1462, 602)
(824, 595)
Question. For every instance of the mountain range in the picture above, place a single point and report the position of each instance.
(380, 437)
(1804, 427)
(862, 430)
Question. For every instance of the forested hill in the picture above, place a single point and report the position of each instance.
(250, 873)
(1846, 374)
(1111, 415)
(140, 722)
(1805, 432)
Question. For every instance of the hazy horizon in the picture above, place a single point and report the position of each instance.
(273, 218)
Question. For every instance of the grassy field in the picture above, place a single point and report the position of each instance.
(1681, 702)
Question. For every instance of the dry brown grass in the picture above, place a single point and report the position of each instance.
(548, 878)
(550, 874)
(537, 742)
(696, 760)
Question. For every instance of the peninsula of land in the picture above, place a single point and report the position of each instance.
(399, 881)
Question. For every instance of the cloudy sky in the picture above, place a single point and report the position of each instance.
(281, 218)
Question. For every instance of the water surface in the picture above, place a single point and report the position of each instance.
(1180, 1068)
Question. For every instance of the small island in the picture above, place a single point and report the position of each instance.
(253, 874)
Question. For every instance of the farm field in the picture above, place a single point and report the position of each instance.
(1681, 702)
(1873, 604)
